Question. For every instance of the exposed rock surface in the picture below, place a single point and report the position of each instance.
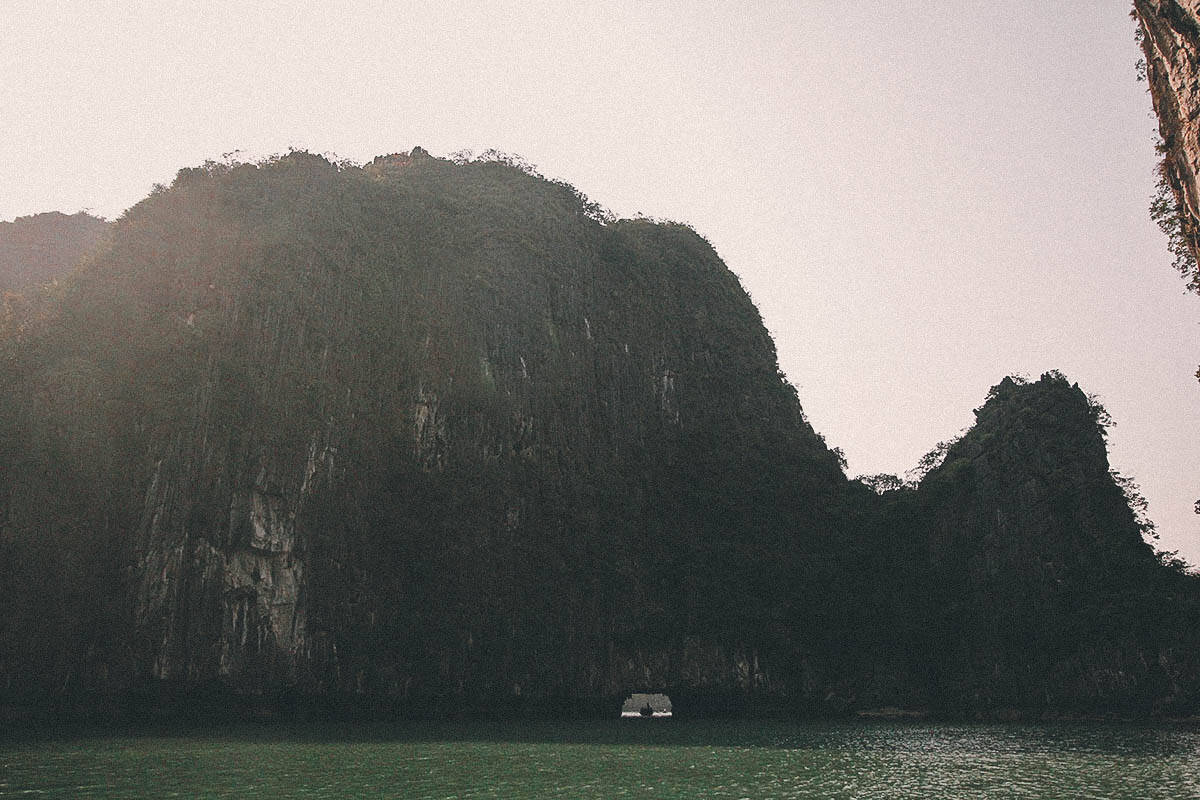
(1171, 43)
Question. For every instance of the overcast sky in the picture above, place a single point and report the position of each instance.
(920, 197)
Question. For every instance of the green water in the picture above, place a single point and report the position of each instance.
(628, 758)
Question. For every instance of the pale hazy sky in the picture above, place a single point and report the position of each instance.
(920, 197)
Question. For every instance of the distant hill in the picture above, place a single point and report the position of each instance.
(39, 248)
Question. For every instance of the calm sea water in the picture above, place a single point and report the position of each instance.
(622, 759)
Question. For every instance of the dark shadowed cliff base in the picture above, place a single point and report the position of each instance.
(431, 438)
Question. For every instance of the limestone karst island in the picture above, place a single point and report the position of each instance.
(426, 436)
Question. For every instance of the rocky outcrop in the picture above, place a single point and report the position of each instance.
(1048, 592)
(1170, 38)
(1028, 490)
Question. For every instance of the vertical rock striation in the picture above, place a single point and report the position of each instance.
(1170, 38)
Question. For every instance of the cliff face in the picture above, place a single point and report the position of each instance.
(422, 428)
(443, 434)
(1170, 37)
(1015, 575)
(1041, 567)
(1028, 490)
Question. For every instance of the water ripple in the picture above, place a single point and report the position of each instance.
(673, 760)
